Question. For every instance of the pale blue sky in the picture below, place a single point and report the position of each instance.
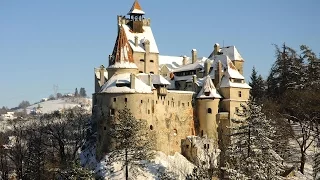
(43, 43)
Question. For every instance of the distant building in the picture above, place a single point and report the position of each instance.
(8, 116)
(179, 96)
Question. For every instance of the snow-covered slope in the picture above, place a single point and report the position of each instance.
(59, 104)
(177, 165)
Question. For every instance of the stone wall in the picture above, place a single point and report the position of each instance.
(171, 117)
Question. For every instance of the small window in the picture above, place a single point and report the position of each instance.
(156, 102)
(141, 101)
(140, 72)
(175, 132)
(188, 103)
(104, 128)
(239, 93)
(187, 146)
(151, 72)
(151, 127)
(148, 111)
(182, 104)
(209, 111)
(112, 112)
(114, 99)
(151, 60)
(205, 146)
(168, 103)
(141, 60)
(125, 100)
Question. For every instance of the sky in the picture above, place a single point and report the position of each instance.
(47, 43)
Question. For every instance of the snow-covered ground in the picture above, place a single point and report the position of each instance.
(295, 157)
(177, 165)
(59, 104)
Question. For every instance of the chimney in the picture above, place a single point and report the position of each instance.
(132, 81)
(136, 41)
(218, 75)
(102, 78)
(216, 49)
(207, 66)
(194, 55)
(147, 46)
(184, 60)
(194, 81)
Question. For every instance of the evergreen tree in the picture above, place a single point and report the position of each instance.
(76, 93)
(313, 68)
(134, 143)
(83, 92)
(251, 154)
(257, 86)
(286, 73)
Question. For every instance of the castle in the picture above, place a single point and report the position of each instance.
(179, 97)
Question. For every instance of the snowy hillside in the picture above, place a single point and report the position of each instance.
(59, 104)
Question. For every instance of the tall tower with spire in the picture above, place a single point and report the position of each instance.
(139, 36)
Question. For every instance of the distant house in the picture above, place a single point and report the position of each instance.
(44, 99)
(8, 116)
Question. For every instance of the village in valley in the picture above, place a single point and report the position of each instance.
(158, 116)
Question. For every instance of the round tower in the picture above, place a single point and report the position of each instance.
(207, 109)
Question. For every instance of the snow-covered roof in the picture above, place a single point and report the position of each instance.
(227, 65)
(111, 85)
(136, 9)
(208, 90)
(146, 35)
(122, 55)
(155, 79)
(226, 82)
(172, 62)
(198, 64)
(124, 65)
(230, 51)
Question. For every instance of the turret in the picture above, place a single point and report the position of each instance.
(136, 17)
(216, 49)
(194, 55)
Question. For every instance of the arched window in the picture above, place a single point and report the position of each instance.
(209, 111)
(151, 127)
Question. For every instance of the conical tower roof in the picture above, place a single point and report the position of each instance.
(208, 90)
(136, 9)
(122, 52)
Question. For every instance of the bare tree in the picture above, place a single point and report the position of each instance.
(18, 150)
(66, 133)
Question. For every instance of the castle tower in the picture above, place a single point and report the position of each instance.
(207, 109)
(136, 17)
(121, 60)
(234, 89)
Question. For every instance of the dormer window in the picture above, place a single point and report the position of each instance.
(207, 93)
